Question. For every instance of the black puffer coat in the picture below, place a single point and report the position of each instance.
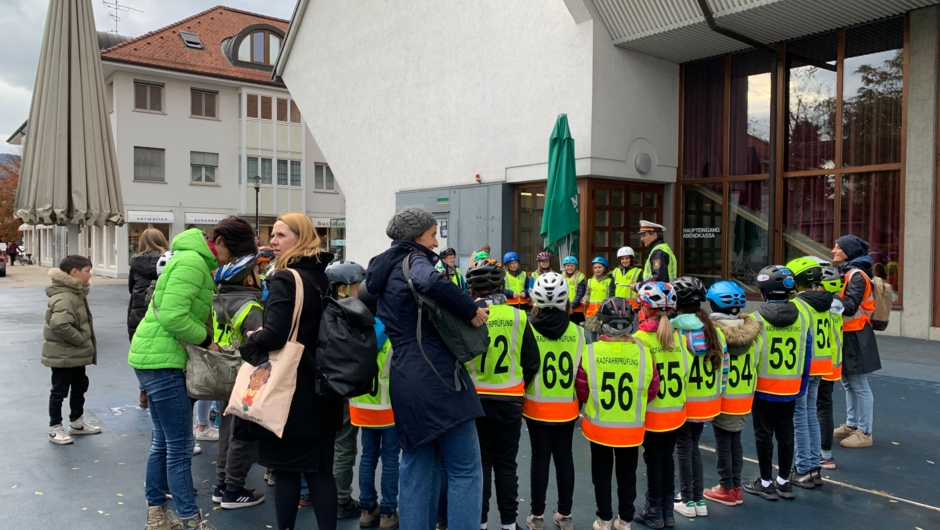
(859, 348)
(143, 271)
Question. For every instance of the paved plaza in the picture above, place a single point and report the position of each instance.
(97, 482)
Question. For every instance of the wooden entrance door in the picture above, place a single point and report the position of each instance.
(612, 218)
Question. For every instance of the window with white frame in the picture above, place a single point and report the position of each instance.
(323, 178)
(148, 96)
(149, 164)
(203, 103)
(261, 167)
(204, 166)
(288, 173)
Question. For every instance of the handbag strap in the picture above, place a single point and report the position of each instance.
(406, 271)
(298, 305)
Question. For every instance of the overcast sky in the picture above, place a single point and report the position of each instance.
(22, 22)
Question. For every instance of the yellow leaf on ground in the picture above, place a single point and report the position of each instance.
(38, 493)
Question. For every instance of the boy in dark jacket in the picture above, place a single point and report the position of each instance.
(500, 376)
(69, 346)
(781, 379)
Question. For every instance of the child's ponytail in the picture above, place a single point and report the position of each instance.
(665, 333)
(714, 350)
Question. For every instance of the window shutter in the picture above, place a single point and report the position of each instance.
(265, 107)
(156, 98)
(252, 106)
(210, 105)
(140, 96)
(195, 106)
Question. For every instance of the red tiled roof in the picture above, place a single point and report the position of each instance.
(163, 48)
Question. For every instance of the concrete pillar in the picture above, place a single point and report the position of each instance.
(920, 176)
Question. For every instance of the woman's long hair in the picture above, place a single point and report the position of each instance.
(665, 334)
(152, 240)
(308, 242)
(713, 348)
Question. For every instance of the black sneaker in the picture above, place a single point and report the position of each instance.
(348, 509)
(649, 516)
(785, 490)
(756, 488)
(243, 498)
(217, 493)
(801, 480)
(817, 476)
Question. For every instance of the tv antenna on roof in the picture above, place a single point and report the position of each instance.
(117, 7)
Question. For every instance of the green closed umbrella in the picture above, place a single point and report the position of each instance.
(561, 221)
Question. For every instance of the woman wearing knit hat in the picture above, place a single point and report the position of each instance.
(434, 421)
(859, 347)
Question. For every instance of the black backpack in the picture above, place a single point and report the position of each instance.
(347, 351)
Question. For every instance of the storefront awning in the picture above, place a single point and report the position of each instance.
(203, 218)
(320, 222)
(150, 217)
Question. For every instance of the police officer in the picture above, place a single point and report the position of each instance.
(660, 261)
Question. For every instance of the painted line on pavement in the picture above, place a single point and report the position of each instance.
(851, 487)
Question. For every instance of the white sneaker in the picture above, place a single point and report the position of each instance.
(620, 524)
(197, 449)
(601, 524)
(687, 509)
(211, 434)
(57, 435)
(80, 427)
(701, 510)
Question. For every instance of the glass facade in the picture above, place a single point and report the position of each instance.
(838, 169)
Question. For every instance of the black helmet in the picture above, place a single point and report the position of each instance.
(345, 272)
(617, 316)
(370, 300)
(689, 290)
(776, 282)
(485, 277)
(447, 252)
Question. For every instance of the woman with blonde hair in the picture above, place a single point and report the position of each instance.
(306, 447)
(143, 271)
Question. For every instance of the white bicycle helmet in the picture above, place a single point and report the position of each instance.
(625, 252)
(164, 259)
(657, 295)
(550, 290)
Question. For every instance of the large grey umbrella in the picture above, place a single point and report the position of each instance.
(70, 172)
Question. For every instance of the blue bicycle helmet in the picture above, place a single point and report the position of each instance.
(570, 260)
(510, 257)
(726, 296)
(235, 273)
(603, 261)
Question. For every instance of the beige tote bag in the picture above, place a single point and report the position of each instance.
(263, 394)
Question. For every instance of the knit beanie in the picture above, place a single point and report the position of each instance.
(853, 246)
(410, 223)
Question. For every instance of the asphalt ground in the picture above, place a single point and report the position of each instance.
(97, 482)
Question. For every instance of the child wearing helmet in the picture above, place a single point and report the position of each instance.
(707, 377)
(576, 287)
(832, 283)
(236, 310)
(666, 414)
(516, 282)
(742, 337)
(345, 277)
(543, 262)
(617, 381)
(815, 303)
(598, 288)
(781, 379)
(551, 403)
(372, 413)
(500, 376)
(626, 275)
(448, 267)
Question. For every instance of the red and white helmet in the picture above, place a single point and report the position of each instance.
(657, 295)
(550, 290)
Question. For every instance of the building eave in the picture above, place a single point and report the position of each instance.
(156, 69)
(296, 19)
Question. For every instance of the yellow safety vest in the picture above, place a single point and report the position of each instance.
(573, 282)
(499, 370)
(624, 282)
(597, 293)
(821, 363)
(703, 399)
(551, 395)
(781, 369)
(618, 374)
(667, 411)
(374, 409)
(742, 380)
(224, 333)
(671, 267)
(836, 327)
(516, 284)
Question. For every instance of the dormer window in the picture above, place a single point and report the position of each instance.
(259, 47)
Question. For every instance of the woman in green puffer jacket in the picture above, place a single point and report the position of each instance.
(180, 311)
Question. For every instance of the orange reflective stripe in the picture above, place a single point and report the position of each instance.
(592, 308)
(550, 411)
(835, 375)
(737, 405)
(779, 387)
(514, 390)
(517, 301)
(364, 417)
(612, 436)
(703, 410)
(865, 310)
(664, 421)
(579, 309)
(820, 366)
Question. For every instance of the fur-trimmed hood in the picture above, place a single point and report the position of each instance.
(62, 280)
(740, 332)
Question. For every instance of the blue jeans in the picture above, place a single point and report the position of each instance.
(421, 477)
(859, 402)
(806, 434)
(376, 442)
(202, 412)
(171, 452)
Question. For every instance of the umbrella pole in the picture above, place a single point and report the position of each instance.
(71, 240)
